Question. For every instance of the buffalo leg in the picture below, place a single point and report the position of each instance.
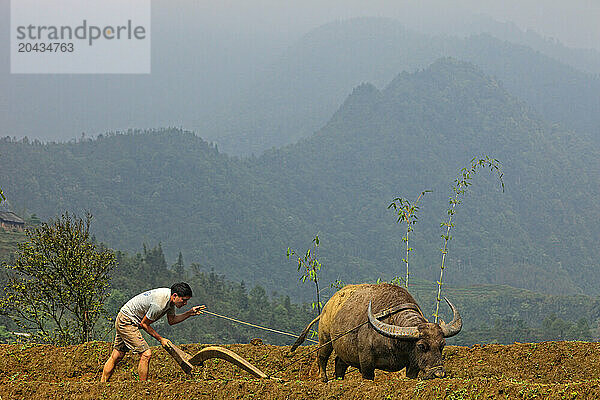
(412, 372)
(340, 368)
(324, 354)
(367, 368)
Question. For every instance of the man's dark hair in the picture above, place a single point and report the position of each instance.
(182, 289)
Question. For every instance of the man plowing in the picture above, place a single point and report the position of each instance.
(140, 312)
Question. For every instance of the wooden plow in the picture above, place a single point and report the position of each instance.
(187, 362)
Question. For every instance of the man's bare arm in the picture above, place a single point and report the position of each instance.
(145, 325)
(175, 319)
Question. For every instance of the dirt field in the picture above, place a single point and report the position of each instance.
(551, 370)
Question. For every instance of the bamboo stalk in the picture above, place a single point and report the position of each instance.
(407, 252)
(460, 188)
(444, 252)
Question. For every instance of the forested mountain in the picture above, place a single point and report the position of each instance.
(413, 135)
(300, 91)
(238, 216)
(557, 91)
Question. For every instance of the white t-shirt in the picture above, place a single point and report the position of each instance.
(153, 304)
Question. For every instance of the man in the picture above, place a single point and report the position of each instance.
(140, 312)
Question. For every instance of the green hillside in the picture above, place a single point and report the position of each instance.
(492, 314)
(498, 314)
(8, 244)
(238, 216)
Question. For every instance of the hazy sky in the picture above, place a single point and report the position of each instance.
(576, 23)
(204, 51)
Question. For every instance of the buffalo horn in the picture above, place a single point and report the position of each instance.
(393, 331)
(455, 325)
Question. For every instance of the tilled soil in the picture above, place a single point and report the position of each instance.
(553, 370)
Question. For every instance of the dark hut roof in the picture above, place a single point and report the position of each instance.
(9, 216)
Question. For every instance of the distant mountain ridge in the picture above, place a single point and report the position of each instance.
(248, 94)
(304, 87)
(239, 215)
(583, 59)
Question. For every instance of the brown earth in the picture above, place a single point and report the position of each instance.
(550, 370)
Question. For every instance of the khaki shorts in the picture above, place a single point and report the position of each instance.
(128, 336)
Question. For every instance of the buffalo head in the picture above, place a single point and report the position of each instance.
(428, 341)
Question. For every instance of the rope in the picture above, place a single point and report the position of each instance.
(320, 347)
(254, 326)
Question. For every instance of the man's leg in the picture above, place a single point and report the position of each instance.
(144, 364)
(110, 364)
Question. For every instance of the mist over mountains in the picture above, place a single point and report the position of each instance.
(238, 215)
(251, 92)
(582, 59)
(304, 87)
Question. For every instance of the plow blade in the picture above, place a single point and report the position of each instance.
(227, 355)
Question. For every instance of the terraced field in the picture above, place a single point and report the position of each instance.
(9, 243)
(549, 370)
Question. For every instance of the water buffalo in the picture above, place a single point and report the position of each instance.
(382, 341)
